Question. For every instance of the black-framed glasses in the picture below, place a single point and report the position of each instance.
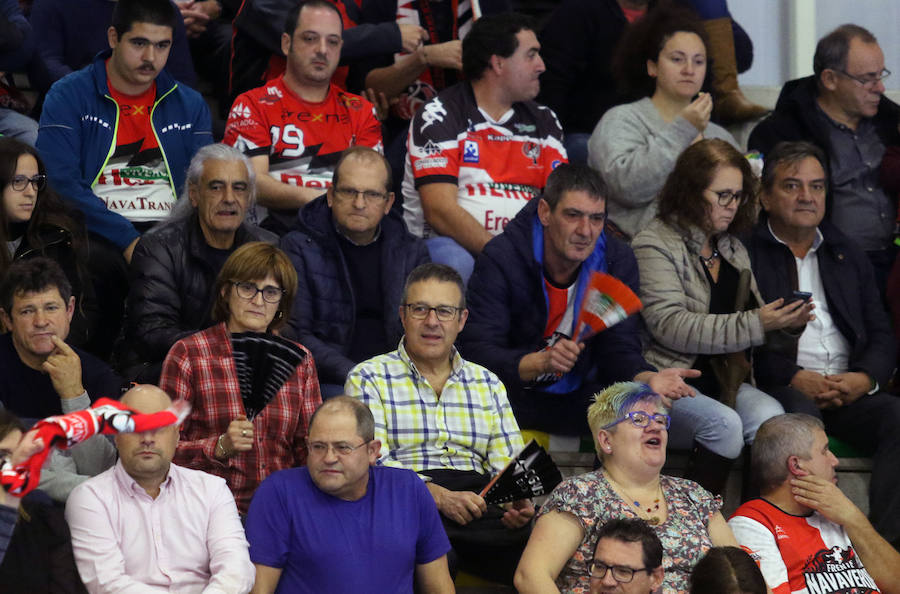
(620, 573)
(38, 182)
(420, 311)
(371, 196)
(320, 448)
(248, 291)
(726, 197)
(642, 419)
(868, 80)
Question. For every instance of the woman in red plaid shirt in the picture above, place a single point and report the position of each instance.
(254, 293)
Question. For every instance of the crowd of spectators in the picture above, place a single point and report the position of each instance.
(354, 238)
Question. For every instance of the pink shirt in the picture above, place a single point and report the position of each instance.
(187, 540)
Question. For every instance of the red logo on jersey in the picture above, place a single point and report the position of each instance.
(532, 150)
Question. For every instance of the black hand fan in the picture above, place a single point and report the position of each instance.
(264, 362)
(529, 474)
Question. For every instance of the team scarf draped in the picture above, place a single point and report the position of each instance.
(106, 417)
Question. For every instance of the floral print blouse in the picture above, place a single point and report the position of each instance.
(684, 534)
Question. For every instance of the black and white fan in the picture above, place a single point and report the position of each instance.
(529, 474)
(264, 362)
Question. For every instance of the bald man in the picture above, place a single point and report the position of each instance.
(150, 525)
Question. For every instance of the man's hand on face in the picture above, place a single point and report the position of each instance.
(460, 506)
(64, 368)
(519, 513)
(825, 497)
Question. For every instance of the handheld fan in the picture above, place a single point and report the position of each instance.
(263, 362)
(529, 474)
(606, 302)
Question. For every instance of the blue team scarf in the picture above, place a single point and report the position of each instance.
(595, 261)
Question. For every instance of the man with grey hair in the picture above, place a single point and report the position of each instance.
(806, 535)
(842, 109)
(175, 264)
(341, 480)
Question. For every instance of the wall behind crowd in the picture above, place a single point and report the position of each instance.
(773, 24)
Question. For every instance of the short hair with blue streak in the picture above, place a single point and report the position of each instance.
(615, 402)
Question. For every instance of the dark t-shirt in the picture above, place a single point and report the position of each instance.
(29, 393)
(364, 267)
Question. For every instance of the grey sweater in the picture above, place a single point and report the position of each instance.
(634, 150)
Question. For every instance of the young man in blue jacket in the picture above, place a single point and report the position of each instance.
(117, 137)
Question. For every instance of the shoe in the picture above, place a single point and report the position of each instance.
(729, 104)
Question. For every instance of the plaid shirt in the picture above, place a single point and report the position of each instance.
(469, 427)
(200, 369)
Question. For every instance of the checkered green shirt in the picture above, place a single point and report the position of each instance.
(470, 427)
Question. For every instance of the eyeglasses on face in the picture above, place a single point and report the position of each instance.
(38, 182)
(726, 197)
(371, 196)
(320, 448)
(420, 311)
(869, 80)
(620, 573)
(248, 291)
(642, 419)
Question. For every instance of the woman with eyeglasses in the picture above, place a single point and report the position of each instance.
(254, 292)
(35, 222)
(703, 310)
(662, 62)
(629, 424)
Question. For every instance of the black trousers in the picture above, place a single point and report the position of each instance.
(483, 547)
(872, 424)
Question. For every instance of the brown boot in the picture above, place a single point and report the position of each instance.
(729, 104)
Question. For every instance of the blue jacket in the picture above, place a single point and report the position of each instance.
(508, 310)
(324, 311)
(851, 294)
(77, 136)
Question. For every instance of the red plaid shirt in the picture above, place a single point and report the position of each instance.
(200, 369)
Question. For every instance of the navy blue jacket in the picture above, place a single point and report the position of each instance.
(851, 294)
(324, 312)
(508, 311)
(78, 133)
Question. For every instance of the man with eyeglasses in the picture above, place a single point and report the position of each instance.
(842, 109)
(175, 264)
(294, 127)
(351, 261)
(524, 298)
(835, 367)
(449, 420)
(627, 559)
(343, 523)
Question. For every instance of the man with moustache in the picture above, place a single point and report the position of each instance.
(835, 367)
(299, 528)
(295, 127)
(806, 535)
(149, 525)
